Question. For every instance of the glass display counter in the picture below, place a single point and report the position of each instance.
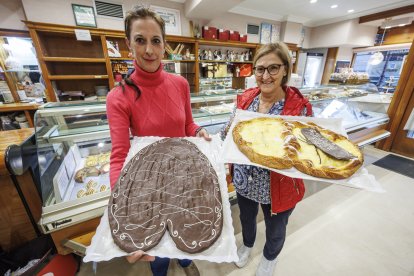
(73, 149)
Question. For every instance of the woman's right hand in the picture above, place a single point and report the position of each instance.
(139, 256)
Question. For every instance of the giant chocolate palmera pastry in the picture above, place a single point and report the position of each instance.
(311, 149)
(168, 186)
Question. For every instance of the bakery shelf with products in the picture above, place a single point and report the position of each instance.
(21, 84)
(221, 60)
(17, 115)
(74, 69)
(364, 123)
(86, 70)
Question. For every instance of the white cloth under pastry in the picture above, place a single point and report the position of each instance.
(231, 153)
(103, 248)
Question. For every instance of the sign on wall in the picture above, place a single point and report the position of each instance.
(84, 15)
(171, 17)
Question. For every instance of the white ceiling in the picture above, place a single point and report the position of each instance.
(301, 11)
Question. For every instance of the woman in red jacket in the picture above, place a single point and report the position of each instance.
(277, 194)
(150, 102)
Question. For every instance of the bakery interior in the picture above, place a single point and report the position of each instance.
(353, 60)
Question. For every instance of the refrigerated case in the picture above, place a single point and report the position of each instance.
(70, 137)
(361, 107)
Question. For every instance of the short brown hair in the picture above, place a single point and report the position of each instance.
(282, 51)
(141, 12)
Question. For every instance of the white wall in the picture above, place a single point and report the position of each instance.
(349, 33)
(344, 53)
(236, 22)
(11, 14)
(292, 32)
(60, 12)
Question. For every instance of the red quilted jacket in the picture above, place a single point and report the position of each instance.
(285, 191)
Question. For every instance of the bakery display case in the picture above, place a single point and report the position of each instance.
(355, 104)
(73, 149)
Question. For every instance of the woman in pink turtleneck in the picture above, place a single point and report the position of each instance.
(150, 102)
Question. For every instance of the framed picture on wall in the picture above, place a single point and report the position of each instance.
(265, 33)
(84, 15)
(171, 17)
(275, 33)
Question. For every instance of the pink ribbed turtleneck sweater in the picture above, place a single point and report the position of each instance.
(163, 109)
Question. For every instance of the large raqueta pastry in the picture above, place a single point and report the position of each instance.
(171, 186)
(280, 144)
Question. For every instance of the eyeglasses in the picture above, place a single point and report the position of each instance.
(272, 69)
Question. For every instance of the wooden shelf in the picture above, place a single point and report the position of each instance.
(228, 43)
(11, 107)
(55, 44)
(78, 77)
(120, 58)
(27, 108)
(73, 59)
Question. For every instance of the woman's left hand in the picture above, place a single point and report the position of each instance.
(204, 134)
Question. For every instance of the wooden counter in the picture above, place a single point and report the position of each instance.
(11, 137)
(16, 227)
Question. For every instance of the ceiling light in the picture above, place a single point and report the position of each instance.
(400, 25)
(313, 1)
(349, 11)
(376, 58)
(334, 6)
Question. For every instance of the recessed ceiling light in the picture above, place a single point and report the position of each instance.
(313, 1)
(334, 6)
(349, 11)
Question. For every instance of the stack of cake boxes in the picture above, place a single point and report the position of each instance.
(213, 33)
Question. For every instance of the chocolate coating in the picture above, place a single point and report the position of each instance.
(169, 185)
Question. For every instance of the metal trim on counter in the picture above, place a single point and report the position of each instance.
(374, 139)
(70, 110)
(65, 214)
(378, 118)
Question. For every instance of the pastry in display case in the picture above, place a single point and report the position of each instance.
(337, 102)
(74, 149)
(342, 101)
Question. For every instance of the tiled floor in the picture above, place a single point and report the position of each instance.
(335, 230)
